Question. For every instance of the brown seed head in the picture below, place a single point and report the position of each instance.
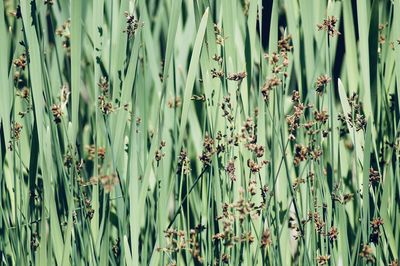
(328, 25)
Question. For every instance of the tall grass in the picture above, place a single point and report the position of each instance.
(170, 132)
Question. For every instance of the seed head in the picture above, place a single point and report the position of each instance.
(333, 233)
(322, 81)
(217, 73)
(323, 259)
(367, 254)
(374, 177)
(328, 25)
(21, 62)
(237, 76)
(266, 239)
(230, 169)
(132, 24)
(57, 112)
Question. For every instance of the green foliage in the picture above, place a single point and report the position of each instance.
(178, 132)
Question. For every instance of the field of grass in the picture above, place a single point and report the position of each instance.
(199, 132)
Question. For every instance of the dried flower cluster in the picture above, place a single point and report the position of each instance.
(57, 113)
(16, 129)
(297, 182)
(159, 153)
(104, 102)
(293, 120)
(279, 62)
(230, 169)
(375, 226)
(367, 254)
(323, 259)
(227, 110)
(64, 32)
(249, 136)
(24, 94)
(21, 62)
(333, 233)
(217, 58)
(328, 25)
(177, 241)
(238, 212)
(101, 152)
(356, 119)
(107, 181)
(266, 238)
(183, 163)
(219, 38)
(105, 106)
(341, 198)
(237, 76)
(103, 85)
(374, 177)
(382, 38)
(319, 224)
(322, 82)
(88, 208)
(302, 153)
(132, 24)
(208, 150)
(217, 73)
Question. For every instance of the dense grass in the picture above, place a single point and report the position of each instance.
(170, 132)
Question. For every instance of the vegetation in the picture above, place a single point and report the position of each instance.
(170, 132)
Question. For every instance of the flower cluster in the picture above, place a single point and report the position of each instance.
(101, 152)
(230, 169)
(237, 212)
(266, 238)
(328, 25)
(375, 226)
(178, 241)
(208, 150)
(322, 82)
(374, 177)
(107, 181)
(237, 76)
(249, 136)
(341, 198)
(217, 73)
(21, 62)
(159, 153)
(219, 38)
(88, 208)
(356, 118)
(16, 129)
(105, 104)
(293, 120)
(183, 163)
(132, 24)
(367, 254)
(279, 62)
(64, 32)
(24, 94)
(57, 112)
(323, 259)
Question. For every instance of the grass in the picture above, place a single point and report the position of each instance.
(199, 132)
